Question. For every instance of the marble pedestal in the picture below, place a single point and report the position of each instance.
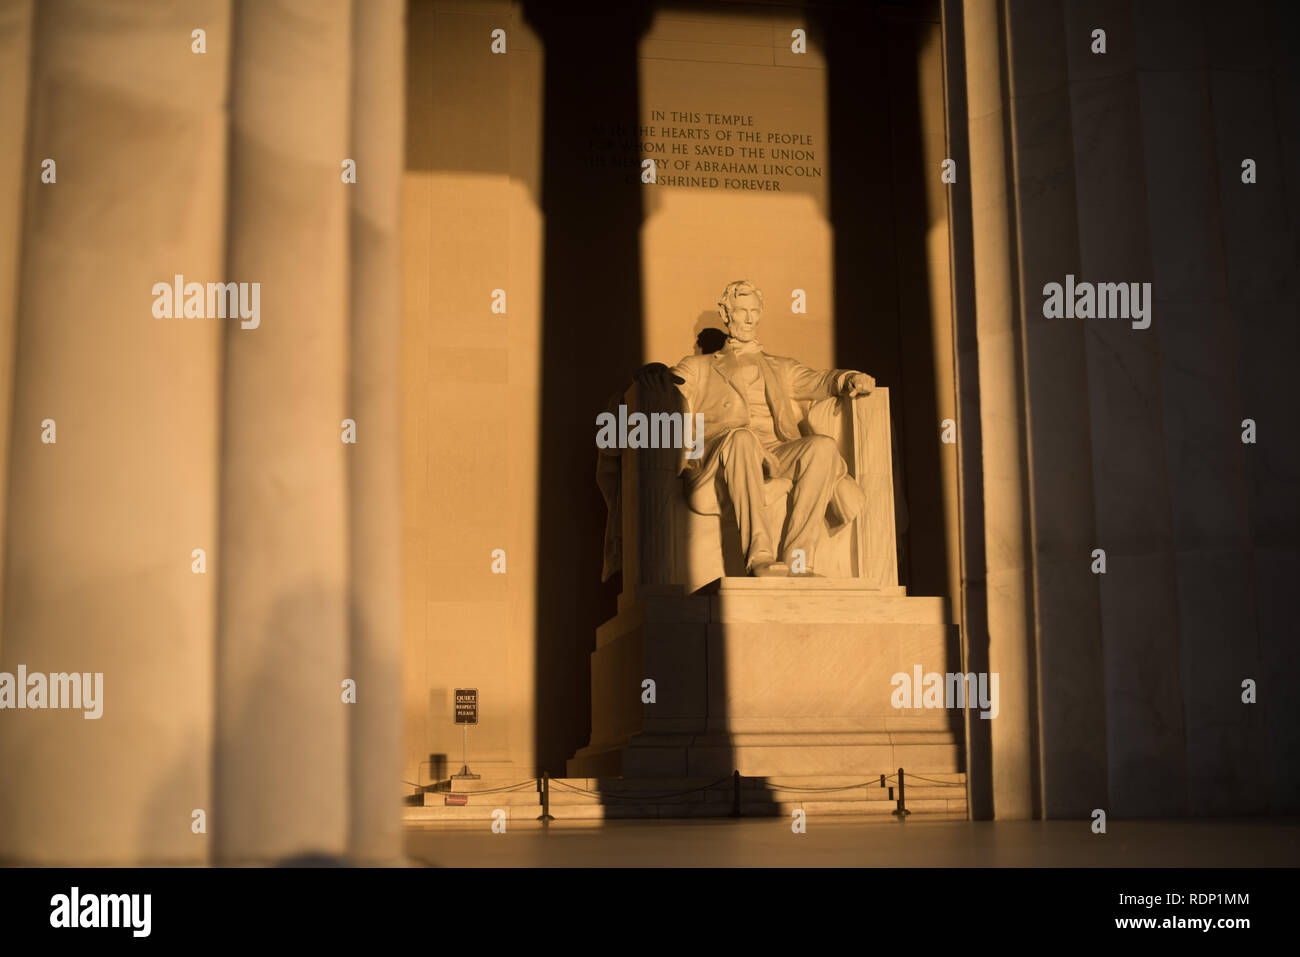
(771, 677)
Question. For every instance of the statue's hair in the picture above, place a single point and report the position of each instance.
(741, 287)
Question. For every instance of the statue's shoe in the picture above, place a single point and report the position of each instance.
(769, 569)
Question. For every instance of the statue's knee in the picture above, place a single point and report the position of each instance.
(822, 447)
(742, 442)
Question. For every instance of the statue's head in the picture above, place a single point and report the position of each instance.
(740, 307)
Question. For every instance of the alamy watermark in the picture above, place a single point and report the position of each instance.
(935, 690)
(214, 300)
(1103, 300)
(57, 690)
(75, 909)
(657, 430)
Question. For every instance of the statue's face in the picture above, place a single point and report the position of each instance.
(745, 313)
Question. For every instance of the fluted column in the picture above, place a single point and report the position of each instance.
(103, 521)
(1224, 288)
(1067, 654)
(282, 750)
(374, 491)
(15, 62)
(1002, 421)
(1142, 699)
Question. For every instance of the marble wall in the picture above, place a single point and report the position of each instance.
(1125, 166)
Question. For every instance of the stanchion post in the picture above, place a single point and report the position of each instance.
(901, 811)
(546, 798)
(735, 794)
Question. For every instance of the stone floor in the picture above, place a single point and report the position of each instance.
(858, 843)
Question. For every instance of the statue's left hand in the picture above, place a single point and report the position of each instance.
(859, 384)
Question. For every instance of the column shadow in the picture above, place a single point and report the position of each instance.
(591, 338)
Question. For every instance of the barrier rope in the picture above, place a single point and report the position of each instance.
(934, 783)
(536, 783)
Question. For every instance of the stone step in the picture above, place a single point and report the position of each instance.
(872, 794)
(726, 795)
(821, 790)
(525, 797)
(485, 784)
(679, 783)
(751, 805)
(562, 798)
(818, 780)
(921, 809)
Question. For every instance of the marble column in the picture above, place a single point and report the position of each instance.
(1205, 304)
(102, 522)
(15, 62)
(283, 645)
(973, 594)
(1124, 166)
(374, 481)
(1067, 626)
(1252, 84)
(223, 675)
(930, 55)
(1268, 359)
(1142, 698)
(1002, 417)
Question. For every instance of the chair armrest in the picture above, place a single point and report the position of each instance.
(870, 460)
(650, 491)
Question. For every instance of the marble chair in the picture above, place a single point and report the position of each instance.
(666, 546)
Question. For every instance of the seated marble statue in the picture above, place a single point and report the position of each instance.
(751, 434)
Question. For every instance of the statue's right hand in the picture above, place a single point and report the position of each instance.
(657, 377)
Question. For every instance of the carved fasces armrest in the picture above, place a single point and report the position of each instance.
(654, 426)
(870, 460)
(652, 422)
(860, 426)
(638, 439)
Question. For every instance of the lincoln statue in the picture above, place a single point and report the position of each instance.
(752, 433)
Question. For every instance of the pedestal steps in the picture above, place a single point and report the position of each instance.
(769, 676)
(943, 797)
